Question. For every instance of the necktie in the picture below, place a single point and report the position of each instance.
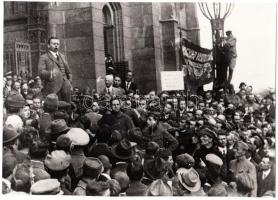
(57, 56)
(108, 90)
(264, 176)
(127, 85)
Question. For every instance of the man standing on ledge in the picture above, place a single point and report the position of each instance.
(55, 72)
(230, 47)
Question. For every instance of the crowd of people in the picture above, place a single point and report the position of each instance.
(122, 143)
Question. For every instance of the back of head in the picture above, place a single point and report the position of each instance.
(135, 171)
(38, 150)
(97, 188)
(245, 183)
(21, 180)
(123, 179)
(9, 163)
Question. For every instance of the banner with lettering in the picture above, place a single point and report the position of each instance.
(197, 64)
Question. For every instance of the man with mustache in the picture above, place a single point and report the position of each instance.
(55, 72)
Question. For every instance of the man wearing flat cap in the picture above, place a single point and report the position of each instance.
(92, 169)
(241, 164)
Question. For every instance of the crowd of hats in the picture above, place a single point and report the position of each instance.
(113, 166)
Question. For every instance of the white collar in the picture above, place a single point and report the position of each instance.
(53, 53)
(266, 173)
(110, 88)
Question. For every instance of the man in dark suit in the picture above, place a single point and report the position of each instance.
(55, 72)
(225, 154)
(129, 84)
(266, 177)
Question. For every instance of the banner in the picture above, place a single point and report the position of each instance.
(197, 63)
(172, 80)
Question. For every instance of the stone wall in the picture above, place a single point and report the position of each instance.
(144, 34)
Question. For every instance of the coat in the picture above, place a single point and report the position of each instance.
(132, 86)
(244, 165)
(50, 73)
(267, 184)
(160, 136)
(114, 92)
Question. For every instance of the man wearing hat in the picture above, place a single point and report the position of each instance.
(47, 187)
(92, 169)
(58, 127)
(230, 46)
(10, 143)
(241, 164)
(80, 139)
(57, 165)
(50, 107)
(55, 72)
(213, 175)
(266, 176)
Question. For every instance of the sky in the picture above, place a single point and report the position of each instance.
(254, 26)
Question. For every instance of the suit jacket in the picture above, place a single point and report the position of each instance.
(267, 184)
(226, 158)
(50, 73)
(131, 87)
(114, 92)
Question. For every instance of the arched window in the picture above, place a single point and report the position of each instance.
(106, 16)
(113, 31)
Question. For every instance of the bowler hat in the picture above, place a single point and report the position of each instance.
(57, 161)
(15, 100)
(189, 179)
(51, 102)
(78, 136)
(58, 126)
(159, 188)
(9, 134)
(46, 187)
(92, 167)
(123, 150)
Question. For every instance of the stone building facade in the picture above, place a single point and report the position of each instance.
(139, 36)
